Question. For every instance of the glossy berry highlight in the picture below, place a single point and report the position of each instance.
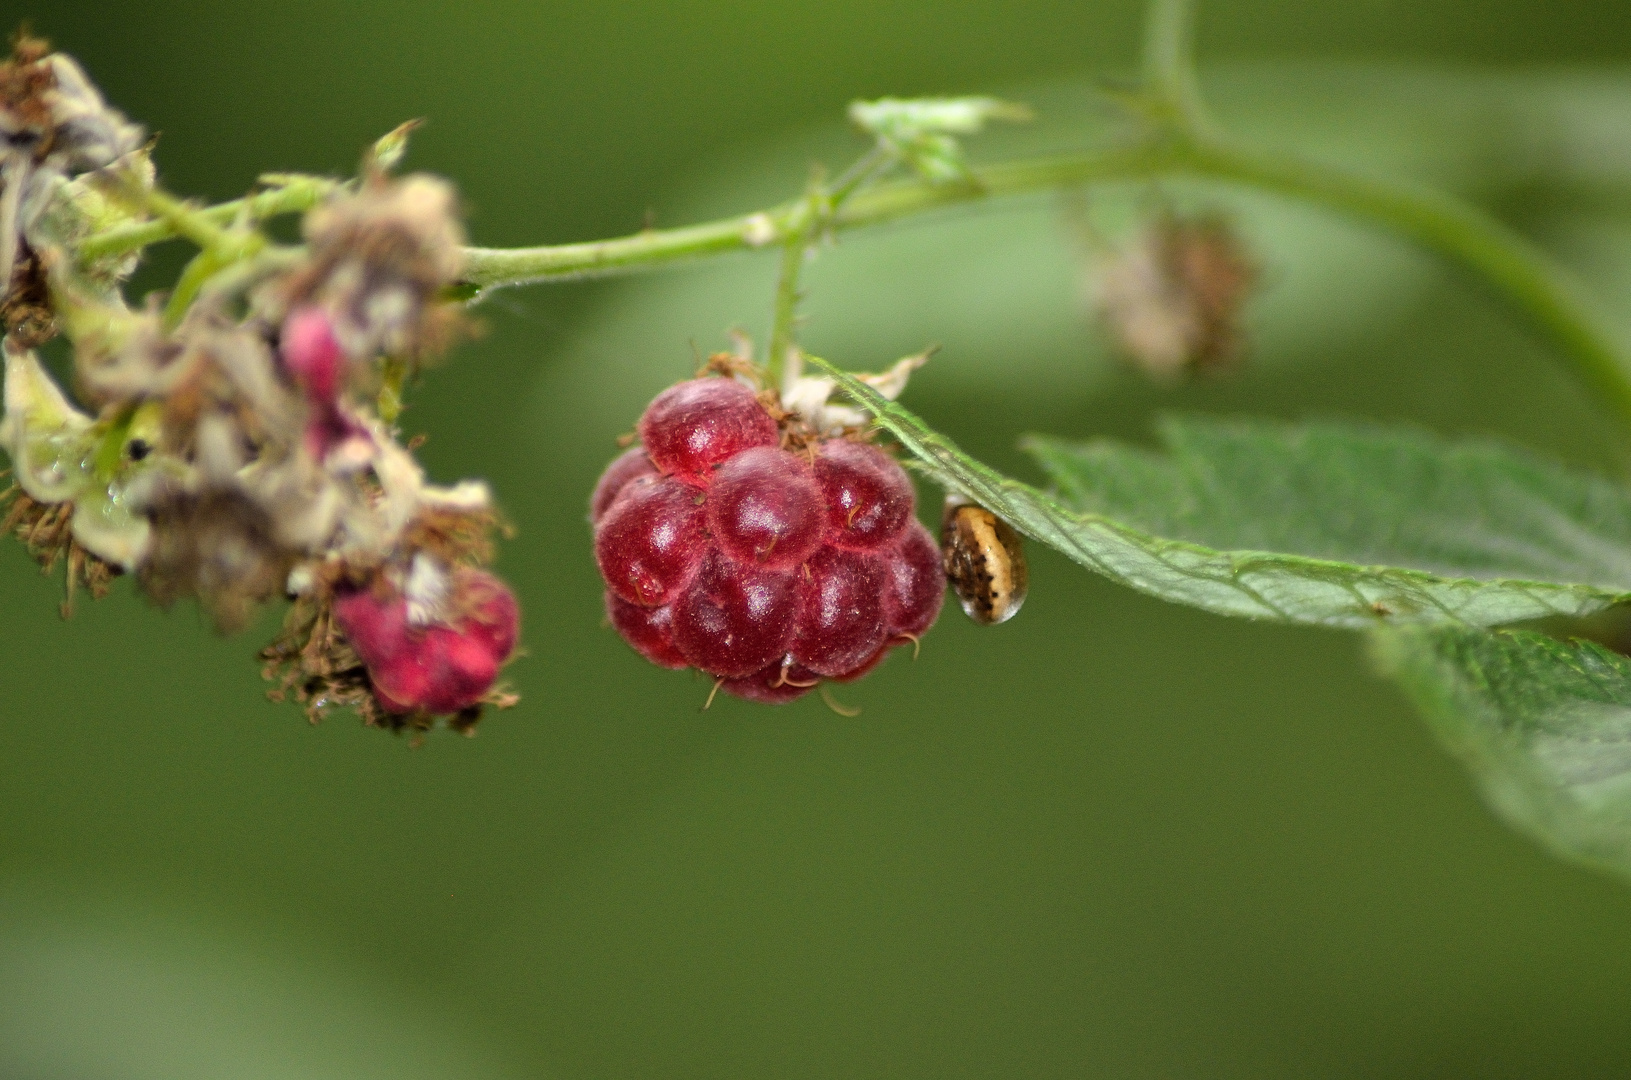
(771, 560)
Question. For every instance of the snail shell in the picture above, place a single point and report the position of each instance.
(984, 560)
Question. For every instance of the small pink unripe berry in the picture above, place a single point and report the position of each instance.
(311, 352)
(493, 616)
(439, 668)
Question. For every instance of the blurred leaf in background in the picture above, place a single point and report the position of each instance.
(1112, 837)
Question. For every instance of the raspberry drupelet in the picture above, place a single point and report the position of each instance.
(770, 569)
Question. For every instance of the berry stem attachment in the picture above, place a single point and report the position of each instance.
(808, 219)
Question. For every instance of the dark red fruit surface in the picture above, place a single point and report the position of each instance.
(768, 569)
(773, 685)
(867, 665)
(842, 622)
(916, 584)
(651, 540)
(630, 465)
(693, 426)
(649, 630)
(736, 619)
(868, 495)
(764, 508)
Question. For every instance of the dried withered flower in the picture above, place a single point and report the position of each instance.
(225, 451)
(219, 548)
(1172, 299)
(45, 530)
(54, 125)
(380, 259)
(312, 661)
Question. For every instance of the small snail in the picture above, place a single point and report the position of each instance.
(984, 560)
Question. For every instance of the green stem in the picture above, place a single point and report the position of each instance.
(784, 317)
(203, 266)
(186, 220)
(806, 218)
(294, 195)
(1523, 274)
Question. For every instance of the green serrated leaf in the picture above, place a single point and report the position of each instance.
(1113, 538)
(1544, 725)
(1358, 493)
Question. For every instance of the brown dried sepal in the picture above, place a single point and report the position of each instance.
(23, 84)
(456, 537)
(25, 302)
(312, 661)
(26, 314)
(46, 530)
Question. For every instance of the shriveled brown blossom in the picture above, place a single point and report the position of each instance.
(46, 532)
(231, 453)
(1172, 299)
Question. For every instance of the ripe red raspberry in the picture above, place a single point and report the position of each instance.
(917, 583)
(773, 685)
(649, 630)
(439, 668)
(768, 569)
(843, 621)
(869, 497)
(736, 618)
(693, 426)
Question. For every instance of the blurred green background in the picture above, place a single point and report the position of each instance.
(1111, 838)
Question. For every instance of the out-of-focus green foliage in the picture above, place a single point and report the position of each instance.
(1112, 837)
(1545, 726)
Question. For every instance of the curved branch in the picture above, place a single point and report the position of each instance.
(1547, 293)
